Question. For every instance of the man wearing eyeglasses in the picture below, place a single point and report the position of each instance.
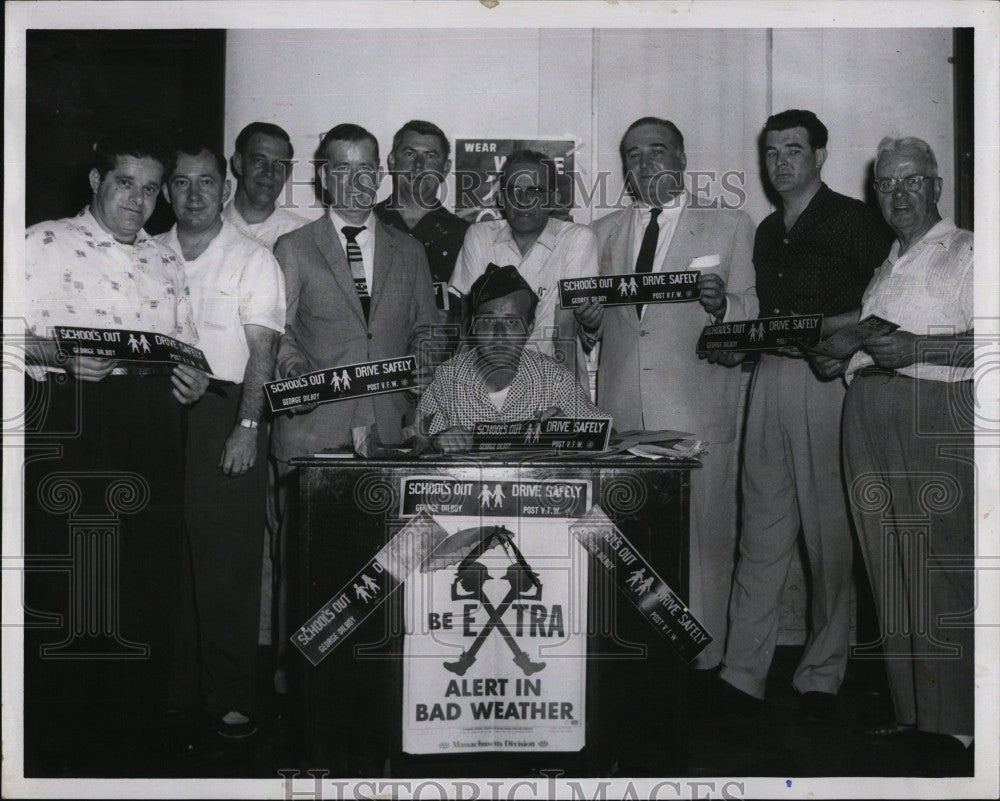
(498, 379)
(543, 248)
(908, 434)
(814, 255)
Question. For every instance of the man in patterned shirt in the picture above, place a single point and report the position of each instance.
(499, 379)
(107, 424)
(814, 255)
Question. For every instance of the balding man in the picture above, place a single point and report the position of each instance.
(650, 376)
(357, 290)
(908, 438)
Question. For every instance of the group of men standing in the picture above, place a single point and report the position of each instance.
(266, 294)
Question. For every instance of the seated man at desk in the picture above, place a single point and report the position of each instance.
(498, 379)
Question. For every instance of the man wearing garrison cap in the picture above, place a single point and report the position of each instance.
(498, 378)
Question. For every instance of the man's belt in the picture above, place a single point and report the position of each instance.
(141, 370)
(872, 370)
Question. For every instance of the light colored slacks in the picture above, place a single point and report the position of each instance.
(792, 481)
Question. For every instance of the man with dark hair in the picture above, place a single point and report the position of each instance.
(118, 428)
(262, 164)
(357, 290)
(418, 164)
(237, 292)
(814, 255)
(650, 376)
(498, 378)
(543, 248)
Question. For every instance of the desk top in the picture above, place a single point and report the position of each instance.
(542, 460)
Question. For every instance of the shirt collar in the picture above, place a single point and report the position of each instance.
(939, 232)
(673, 211)
(547, 238)
(171, 240)
(816, 202)
(937, 235)
(88, 220)
(339, 222)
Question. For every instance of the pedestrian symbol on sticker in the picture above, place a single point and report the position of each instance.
(491, 497)
(636, 576)
(362, 590)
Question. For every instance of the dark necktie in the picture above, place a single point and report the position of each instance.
(357, 265)
(647, 250)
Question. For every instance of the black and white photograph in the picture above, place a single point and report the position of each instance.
(494, 399)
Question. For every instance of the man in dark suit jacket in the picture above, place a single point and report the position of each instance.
(357, 290)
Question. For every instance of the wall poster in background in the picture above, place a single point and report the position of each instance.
(476, 165)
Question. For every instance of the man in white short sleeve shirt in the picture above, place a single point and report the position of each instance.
(544, 250)
(237, 291)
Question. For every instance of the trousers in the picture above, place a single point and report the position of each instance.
(792, 482)
(908, 455)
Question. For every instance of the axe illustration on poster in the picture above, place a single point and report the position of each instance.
(369, 588)
(630, 289)
(634, 576)
(126, 345)
(340, 383)
(466, 547)
(767, 333)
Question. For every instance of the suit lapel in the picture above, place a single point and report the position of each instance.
(328, 244)
(683, 244)
(620, 250)
(385, 263)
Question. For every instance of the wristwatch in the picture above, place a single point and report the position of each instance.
(246, 422)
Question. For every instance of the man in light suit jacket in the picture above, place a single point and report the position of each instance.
(357, 291)
(649, 375)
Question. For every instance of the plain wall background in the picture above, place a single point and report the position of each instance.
(717, 85)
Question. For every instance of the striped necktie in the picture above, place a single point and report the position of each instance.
(357, 263)
(647, 250)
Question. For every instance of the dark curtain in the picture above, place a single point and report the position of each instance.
(82, 83)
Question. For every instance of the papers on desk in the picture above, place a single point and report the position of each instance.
(664, 444)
